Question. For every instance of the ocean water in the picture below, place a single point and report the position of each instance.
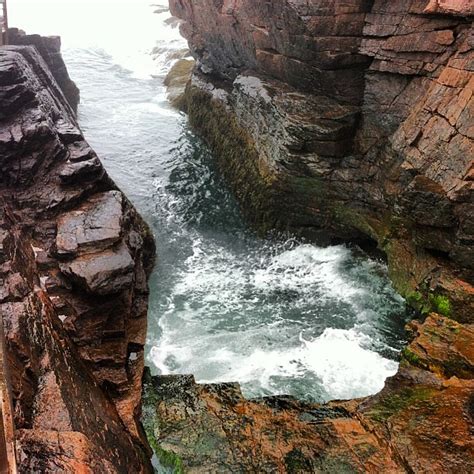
(278, 315)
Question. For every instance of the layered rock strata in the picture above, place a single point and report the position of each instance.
(347, 121)
(74, 261)
(353, 121)
(49, 48)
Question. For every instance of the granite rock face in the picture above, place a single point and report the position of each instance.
(353, 121)
(342, 121)
(74, 262)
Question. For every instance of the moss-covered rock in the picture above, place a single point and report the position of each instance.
(241, 126)
(176, 81)
(392, 404)
(253, 182)
(168, 460)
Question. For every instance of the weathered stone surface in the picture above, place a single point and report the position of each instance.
(50, 49)
(97, 224)
(73, 172)
(427, 421)
(442, 346)
(74, 262)
(60, 451)
(111, 271)
(451, 7)
(212, 428)
(64, 419)
(278, 39)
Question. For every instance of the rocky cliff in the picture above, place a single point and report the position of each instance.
(49, 48)
(342, 121)
(347, 121)
(74, 261)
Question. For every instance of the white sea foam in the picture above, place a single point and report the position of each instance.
(306, 265)
(232, 328)
(338, 358)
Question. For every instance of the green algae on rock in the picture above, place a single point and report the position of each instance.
(176, 81)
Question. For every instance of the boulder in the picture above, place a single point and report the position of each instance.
(107, 272)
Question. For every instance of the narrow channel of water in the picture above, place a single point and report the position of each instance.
(279, 316)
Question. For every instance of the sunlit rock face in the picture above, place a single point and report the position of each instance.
(75, 257)
(356, 120)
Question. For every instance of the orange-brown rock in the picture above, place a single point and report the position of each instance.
(452, 7)
(353, 121)
(442, 346)
(343, 120)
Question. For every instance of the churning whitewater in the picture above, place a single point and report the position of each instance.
(278, 315)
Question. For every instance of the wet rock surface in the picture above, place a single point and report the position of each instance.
(420, 422)
(176, 81)
(342, 121)
(50, 49)
(74, 261)
(109, 272)
(212, 428)
(97, 224)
